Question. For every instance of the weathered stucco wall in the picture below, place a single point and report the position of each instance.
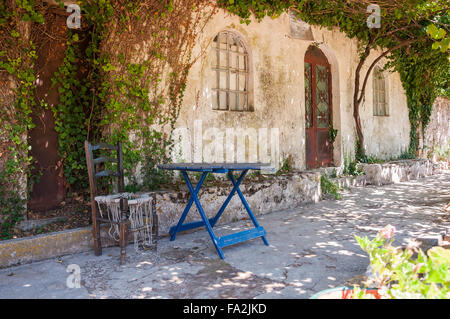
(278, 88)
(437, 133)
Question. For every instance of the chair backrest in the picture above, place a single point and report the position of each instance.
(93, 163)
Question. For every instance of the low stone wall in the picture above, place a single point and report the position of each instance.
(351, 181)
(272, 194)
(401, 171)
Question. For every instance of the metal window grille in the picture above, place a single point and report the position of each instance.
(231, 64)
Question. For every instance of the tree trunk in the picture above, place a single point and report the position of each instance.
(357, 98)
(361, 151)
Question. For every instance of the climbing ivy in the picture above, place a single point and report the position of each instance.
(18, 162)
(71, 123)
(17, 58)
(121, 99)
(421, 91)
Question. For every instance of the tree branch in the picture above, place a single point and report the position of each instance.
(398, 46)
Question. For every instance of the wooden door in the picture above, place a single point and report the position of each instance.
(318, 112)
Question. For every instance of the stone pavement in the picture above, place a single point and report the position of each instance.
(311, 248)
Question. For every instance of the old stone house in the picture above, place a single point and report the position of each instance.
(277, 86)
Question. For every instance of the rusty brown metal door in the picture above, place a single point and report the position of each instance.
(318, 109)
(49, 189)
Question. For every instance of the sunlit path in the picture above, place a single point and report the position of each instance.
(311, 248)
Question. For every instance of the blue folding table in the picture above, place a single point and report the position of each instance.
(224, 168)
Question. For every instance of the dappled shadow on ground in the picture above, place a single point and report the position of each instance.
(311, 248)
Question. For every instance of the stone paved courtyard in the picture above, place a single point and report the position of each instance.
(311, 248)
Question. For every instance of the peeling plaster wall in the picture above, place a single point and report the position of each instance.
(386, 136)
(437, 133)
(278, 88)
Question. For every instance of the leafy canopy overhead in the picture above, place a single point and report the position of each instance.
(405, 19)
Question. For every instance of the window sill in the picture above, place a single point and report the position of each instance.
(235, 111)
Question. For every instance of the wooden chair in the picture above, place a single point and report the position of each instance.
(94, 176)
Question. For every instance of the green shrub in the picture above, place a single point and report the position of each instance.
(330, 187)
(351, 168)
(405, 273)
(286, 166)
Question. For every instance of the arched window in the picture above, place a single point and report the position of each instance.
(380, 107)
(232, 69)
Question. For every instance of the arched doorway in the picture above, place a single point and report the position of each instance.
(318, 109)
